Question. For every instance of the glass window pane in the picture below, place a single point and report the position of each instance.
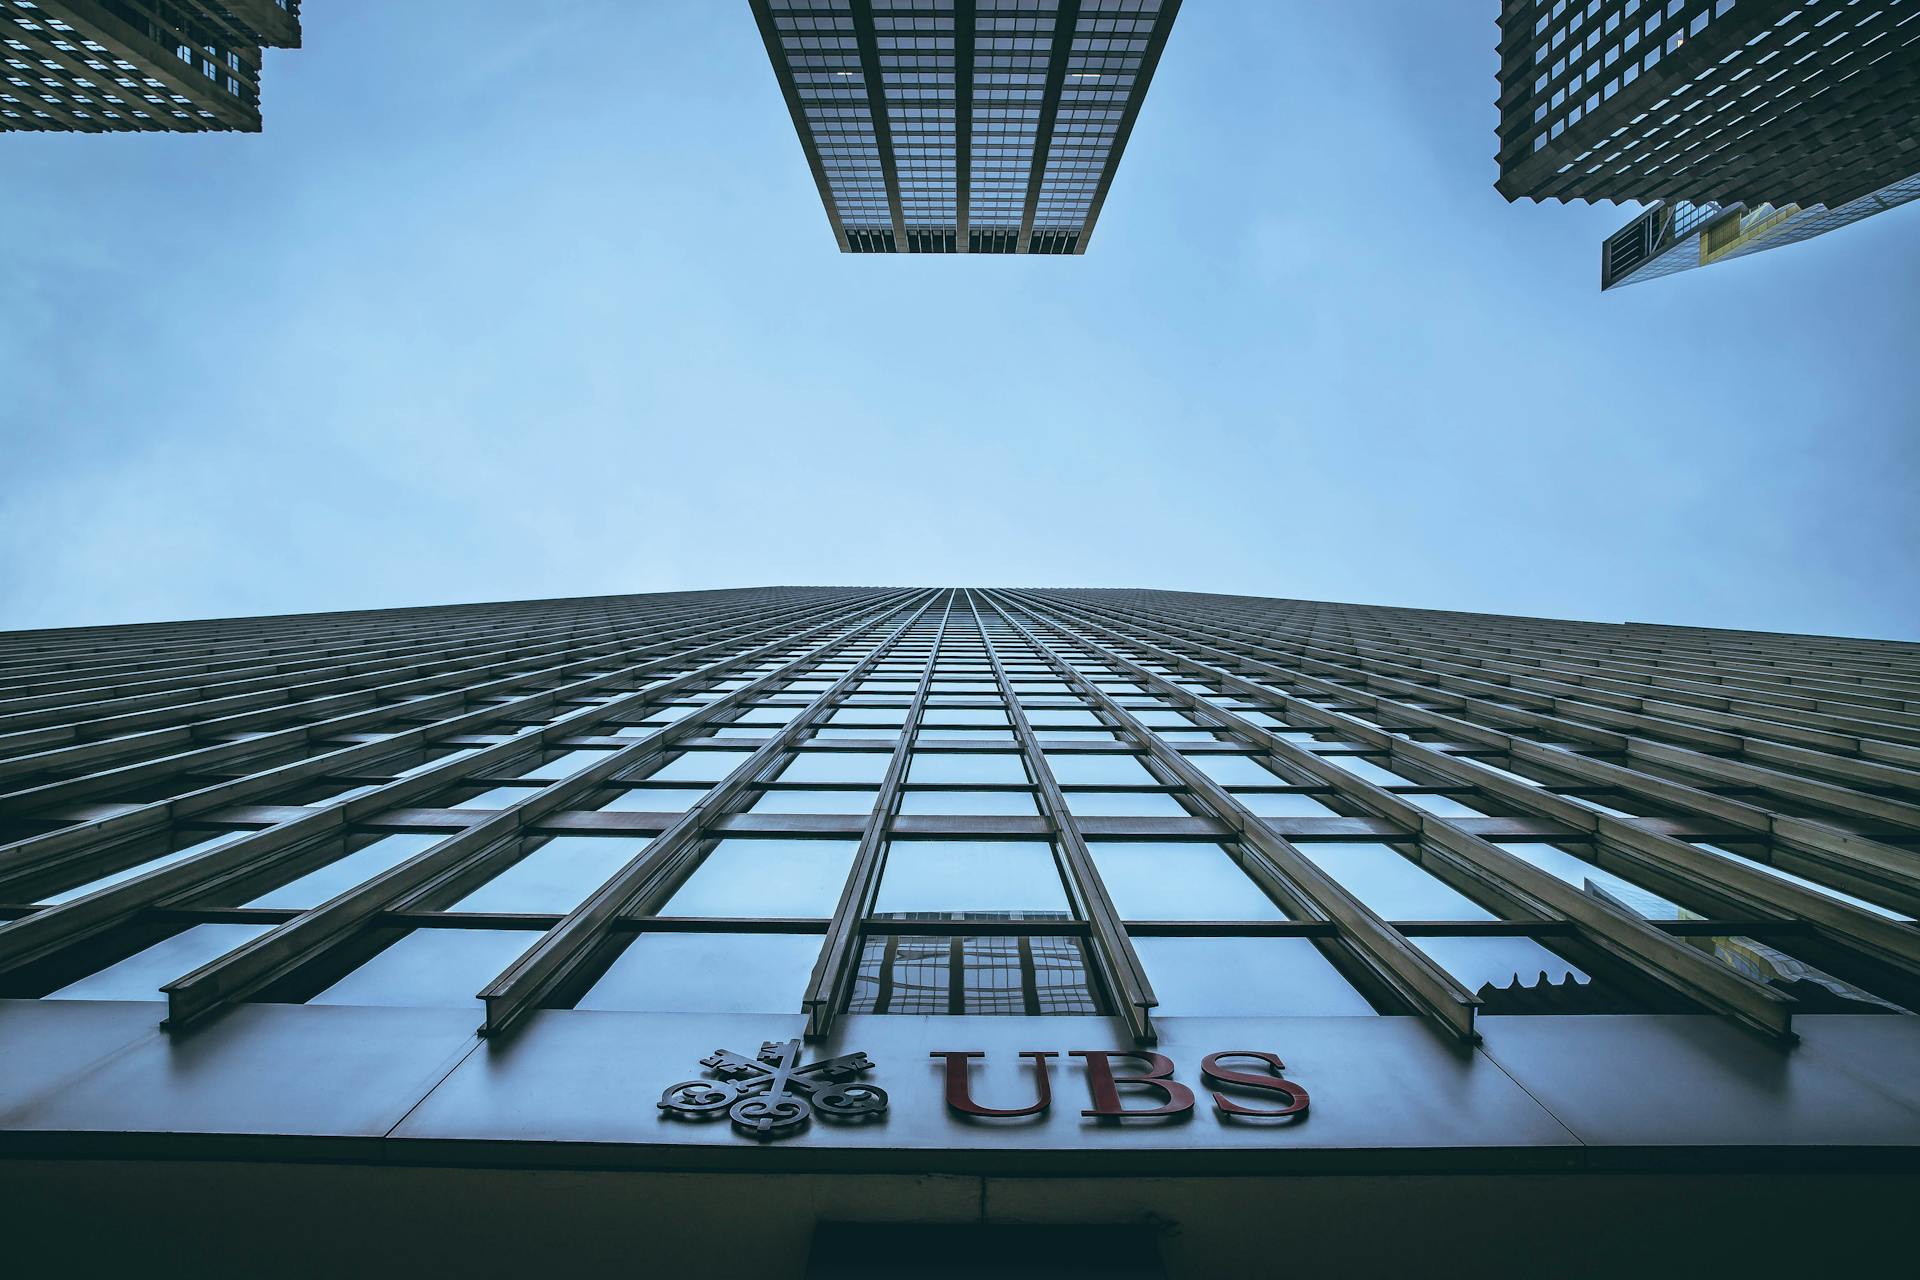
(141, 868)
(432, 968)
(1178, 880)
(1283, 804)
(141, 975)
(700, 766)
(708, 973)
(967, 767)
(556, 877)
(797, 801)
(837, 766)
(1246, 977)
(1444, 806)
(655, 800)
(1107, 769)
(766, 878)
(1480, 963)
(342, 874)
(1366, 770)
(566, 765)
(1124, 804)
(1235, 771)
(971, 875)
(1596, 882)
(1033, 976)
(1393, 885)
(1004, 803)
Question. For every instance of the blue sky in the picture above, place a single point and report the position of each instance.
(503, 287)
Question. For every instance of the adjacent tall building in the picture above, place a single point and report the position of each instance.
(100, 66)
(964, 126)
(512, 936)
(1747, 123)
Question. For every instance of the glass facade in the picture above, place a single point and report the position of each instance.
(964, 126)
(1133, 804)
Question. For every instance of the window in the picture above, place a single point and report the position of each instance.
(1178, 880)
(707, 973)
(700, 766)
(1003, 803)
(141, 975)
(1246, 978)
(431, 968)
(555, 877)
(1030, 975)
(795, 800)
(1392, 885)
(753, 878)
(350, 871)
(970, 875)
(837, 766)
(963, 768)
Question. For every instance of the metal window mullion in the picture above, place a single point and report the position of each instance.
(1628, 936)
(56, 926)
(833, 971)
(246, 969)
(1066, 18)
(30, 855)
(1294, 879)
(518, 990)
(1113, 951)
(876, 83)
(964, 34)
(35, 798)
(1864, 858)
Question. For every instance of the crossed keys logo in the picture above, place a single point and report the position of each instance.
(773, 1095)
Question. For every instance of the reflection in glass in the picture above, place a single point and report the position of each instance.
(1103, 769)
(1032, 976)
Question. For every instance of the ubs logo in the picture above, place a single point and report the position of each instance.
(774, 1095)
(1166, 1097)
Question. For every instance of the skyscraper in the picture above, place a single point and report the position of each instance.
(999, 123)
(1063, 902)
(1752, 123)
(98, 66)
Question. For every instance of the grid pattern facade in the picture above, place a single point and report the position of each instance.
(964, 126)
(100, 66)
(1010, 802)
(1732, 101)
